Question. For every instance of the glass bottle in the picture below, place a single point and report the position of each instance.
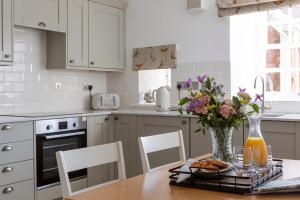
(256, 141)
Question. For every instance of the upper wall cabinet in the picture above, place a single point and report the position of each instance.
(6, 27)
(106, 37)
(77, 34)
(41, 14)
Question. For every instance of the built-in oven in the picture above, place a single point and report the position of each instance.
(57, 135)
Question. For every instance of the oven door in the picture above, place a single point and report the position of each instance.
(46, 147)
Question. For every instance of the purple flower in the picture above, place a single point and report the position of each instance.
(259, 97)
(242, 90)
(201, 78)
(187, 84)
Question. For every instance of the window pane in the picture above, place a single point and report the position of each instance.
(273, 82)
(295, 82)
(273, 58)
(296, 12)
(275, 15)
(295, 57)
(273, 35)
(296, 32)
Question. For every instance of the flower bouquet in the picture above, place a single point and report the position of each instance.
(217, 113)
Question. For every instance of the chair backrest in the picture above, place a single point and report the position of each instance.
(77, 159)
(160, 142)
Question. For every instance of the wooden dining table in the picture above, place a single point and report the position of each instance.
(155, 186)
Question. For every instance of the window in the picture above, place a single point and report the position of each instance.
(150, 80)
(272, 48)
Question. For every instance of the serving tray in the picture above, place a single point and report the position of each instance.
(229, 181)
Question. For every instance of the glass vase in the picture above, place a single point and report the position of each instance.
(221, 143)
(256, 141)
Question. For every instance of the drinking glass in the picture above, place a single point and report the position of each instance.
(257, 152)
(242, 159)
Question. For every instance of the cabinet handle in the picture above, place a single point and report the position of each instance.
(42, 24)
(183, 122)
(8, 190)
(7, 169)
(71, 61)
(92, 62)
(6, 56)
(106, 118)
(6, 127)
(116, 118)
(7, 148)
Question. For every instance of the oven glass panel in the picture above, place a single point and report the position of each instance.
(47, 171)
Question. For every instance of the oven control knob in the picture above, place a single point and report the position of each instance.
(75, 125)
(49, 127)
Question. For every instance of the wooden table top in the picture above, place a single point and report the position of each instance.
(155, 186)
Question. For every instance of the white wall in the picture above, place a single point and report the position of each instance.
(29, 87)
(202, 37)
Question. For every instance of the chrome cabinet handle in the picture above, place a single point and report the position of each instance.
(8, 190)
(6, 127)
(42, 24)
(6, 56)
(106, 119)
(7, 169)
(7, 148)
(71, 61)
(183, 122)
(92, 62)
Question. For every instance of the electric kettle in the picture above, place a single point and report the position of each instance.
(162, 98)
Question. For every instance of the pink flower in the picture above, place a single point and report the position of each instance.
(201, 110)
(206, 99)
(226, 111)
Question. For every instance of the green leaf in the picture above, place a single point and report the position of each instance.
(255, 107)
(208, 83)
(184, 101)
(236, 102)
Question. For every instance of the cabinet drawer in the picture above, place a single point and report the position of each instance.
(16, 172)
(15, 152)
(18, 191)
(15, 132)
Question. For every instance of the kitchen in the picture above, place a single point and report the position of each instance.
(68, 81)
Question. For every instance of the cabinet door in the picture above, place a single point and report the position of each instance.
(97, 134)
(77, 33)
(152, 125)
(201, 144)
(106, 36)
(42, 14)
(123, 128)
(7, 29)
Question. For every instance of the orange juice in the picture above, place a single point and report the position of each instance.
(259, 148)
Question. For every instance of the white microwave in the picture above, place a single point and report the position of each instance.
(102, 101)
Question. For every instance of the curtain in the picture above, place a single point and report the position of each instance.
(155, 57)
(235, 7)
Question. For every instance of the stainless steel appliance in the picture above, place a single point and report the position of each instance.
(54, 135)
(105, 101)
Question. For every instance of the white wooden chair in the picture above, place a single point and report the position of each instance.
(77, 159)
(160, 142)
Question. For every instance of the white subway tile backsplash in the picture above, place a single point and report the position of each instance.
(29, 86)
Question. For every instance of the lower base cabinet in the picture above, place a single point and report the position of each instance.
(18, 191)
(153, 125)
(97, 134)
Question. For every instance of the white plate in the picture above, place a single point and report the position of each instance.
(227, 169)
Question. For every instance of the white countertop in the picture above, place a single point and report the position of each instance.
(17, 117)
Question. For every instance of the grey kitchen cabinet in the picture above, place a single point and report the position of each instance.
(77, 34)
(124, 129)
(6, 32)
(201, 144)
(282, 136)
(17, 161)
(152, 125)
(47, 15)
(106, 37)
(97, 134)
